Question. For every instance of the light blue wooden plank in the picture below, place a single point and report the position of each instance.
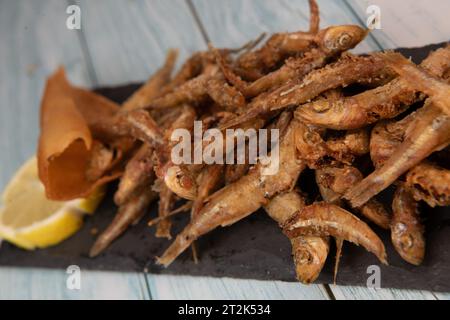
(233, 22)
(361, 293)
(186, 287)
(442, 296)
(128, 40)
(49, 284)
(408, 23)
(35, 41)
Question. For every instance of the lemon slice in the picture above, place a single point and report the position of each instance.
(29, 220)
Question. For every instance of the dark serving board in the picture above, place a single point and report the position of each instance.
(253, 248)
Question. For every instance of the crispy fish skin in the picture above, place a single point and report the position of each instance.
(429, 132)
(324, 219)
(430, 183)
(240, 199)
(407, 232)
(309, 252)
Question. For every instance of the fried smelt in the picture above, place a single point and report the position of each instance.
(128, 214)
(360, 110)
(430, 183)
(166, 203)
(209, 83)
(328, 44)
(234, 172)
(152, 88)
(352, 144)
(429, 132)
(407, 232)
(112, 128)
(181, 209)
(210, 179)
(324, 219)
(418, 78)
(309, 252)
(385, 138)
(192, 91)
(240, 199)
(137, 175)
(225, 95)
(383, 102)
(334, 181)
(177, 178)
(280, 46)
(347, 70)
(314, 17)
(339, 246)
(310, 145)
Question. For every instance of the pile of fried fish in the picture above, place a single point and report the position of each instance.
(361, 123)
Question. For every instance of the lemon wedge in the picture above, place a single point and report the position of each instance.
(29, 220)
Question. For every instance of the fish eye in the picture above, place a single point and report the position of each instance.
(407, 241)
(305, 257)
(321, 106)
(345, 39)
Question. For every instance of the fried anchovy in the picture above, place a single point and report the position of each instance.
(407, 232)
(309, 252)
(324, 219)
(240, 199)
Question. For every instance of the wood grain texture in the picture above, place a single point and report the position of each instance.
(186, 287)
(232, 23)
(442, 296)
(35, 41)
(361, 293)
(406, 23)
(128, 40)
(26, 284)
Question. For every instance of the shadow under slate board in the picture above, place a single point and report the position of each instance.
(253, 248)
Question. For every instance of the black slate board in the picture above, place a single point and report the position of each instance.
(254, 248)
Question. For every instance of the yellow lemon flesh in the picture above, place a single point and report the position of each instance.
(29, 220)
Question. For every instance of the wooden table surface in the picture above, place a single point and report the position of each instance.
(126, 40)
